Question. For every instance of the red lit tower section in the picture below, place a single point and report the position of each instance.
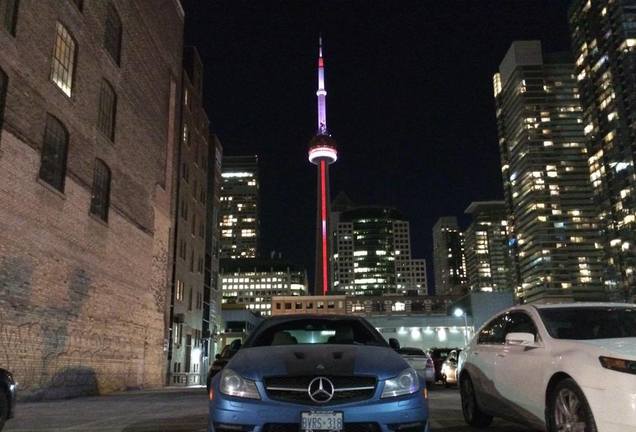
(322, 153)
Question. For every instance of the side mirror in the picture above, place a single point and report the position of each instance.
(520, 339)
(394, 343)
(218, 356)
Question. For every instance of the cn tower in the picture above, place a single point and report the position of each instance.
(322, 153)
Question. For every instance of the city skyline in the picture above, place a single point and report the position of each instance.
(384, 92)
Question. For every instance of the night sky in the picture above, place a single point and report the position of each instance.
(409, 101)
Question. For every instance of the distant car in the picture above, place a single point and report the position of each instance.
(420, 361)
(7, 396)
(449, 368)
(439, 356)
(561, 367)
(317, 373)
(221, 360)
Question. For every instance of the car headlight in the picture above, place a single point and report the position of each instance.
(232, 384)
(407, 382)
(618, 365)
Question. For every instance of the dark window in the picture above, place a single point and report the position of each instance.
(100, 200)
(54, 149)
(193, 228)
(182, 249)
(107, 110)
(494, 332)
(112, 33)
(9, 15)
(4, 84)
(63, 63)
(192, 260)
(584, 323)
(185, 172)
(189, 299)
(519, 322)
(79, 4)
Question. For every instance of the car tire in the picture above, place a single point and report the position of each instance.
(472, 414)
(567, 405)
(4, 408)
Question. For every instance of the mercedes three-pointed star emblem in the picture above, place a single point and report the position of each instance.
(321, 390)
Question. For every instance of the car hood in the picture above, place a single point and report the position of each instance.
(623, 347)
(296, 360)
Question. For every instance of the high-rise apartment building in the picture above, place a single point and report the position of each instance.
(251, 283)
(488, 258)
(448, 257)
(238, 218)
(372, 254)
(189, 286)
(554, 226)
(604, 45)
(89, 126)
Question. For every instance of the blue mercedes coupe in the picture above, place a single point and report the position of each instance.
(317, 373)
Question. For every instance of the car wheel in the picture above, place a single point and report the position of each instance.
(4, 408)
(472, 414)
(568, 409)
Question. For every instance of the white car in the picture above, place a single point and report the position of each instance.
(420, 361)
(562, 367)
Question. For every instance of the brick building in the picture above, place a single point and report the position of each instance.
(88, 130)
(185, 353)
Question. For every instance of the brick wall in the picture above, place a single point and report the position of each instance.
(82, 302)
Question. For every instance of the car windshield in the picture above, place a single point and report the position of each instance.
(581, 323)
(316, 332)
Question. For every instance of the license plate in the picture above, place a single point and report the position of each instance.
(321, 421)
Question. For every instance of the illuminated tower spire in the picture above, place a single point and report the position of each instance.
(321, 93)
(322, 152)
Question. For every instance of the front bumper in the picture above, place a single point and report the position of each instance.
(619, 415)
(405, 414)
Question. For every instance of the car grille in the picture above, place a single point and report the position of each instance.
(295, 389)
(295, 427)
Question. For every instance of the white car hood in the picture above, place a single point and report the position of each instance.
(624, 348)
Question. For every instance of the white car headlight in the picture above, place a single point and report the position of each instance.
(232, 384)
(407, 382)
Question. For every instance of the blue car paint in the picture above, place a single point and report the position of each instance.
(259, 362)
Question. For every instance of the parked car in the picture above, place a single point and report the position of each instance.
(564, 367)
(439, 356)
(449, 368)
(420, 361)
(222, 359)
(7, 396)
(313, 372)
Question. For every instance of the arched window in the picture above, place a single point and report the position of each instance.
(100, 200)
(107, 110)
(63, 63)
(112, 34)
(54, 149)
(9, 15)
(4, 84)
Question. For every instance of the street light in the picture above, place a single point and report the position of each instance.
(458, 313)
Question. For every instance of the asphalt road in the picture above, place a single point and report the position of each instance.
(182, 410)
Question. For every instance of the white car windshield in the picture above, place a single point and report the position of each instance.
(590, 322)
